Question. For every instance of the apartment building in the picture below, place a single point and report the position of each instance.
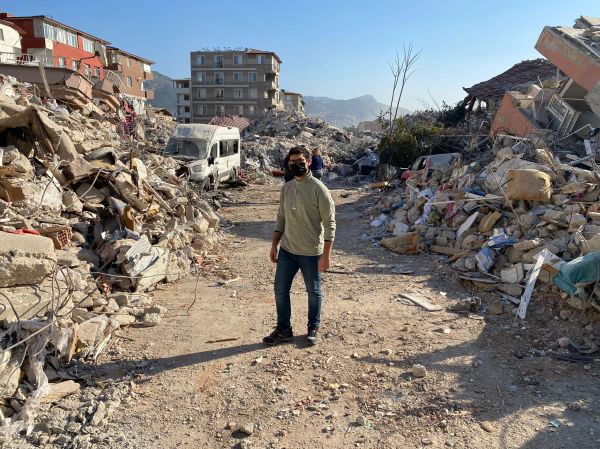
(293, 101)
(242, 82)
(10, 41)
(181, 88)
(60, 45)
(131, 72)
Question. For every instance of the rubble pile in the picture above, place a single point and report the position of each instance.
(526, 216)
(273, 134)
(91, 219)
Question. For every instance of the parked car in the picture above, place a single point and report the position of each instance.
(211, 153)
(426, 165)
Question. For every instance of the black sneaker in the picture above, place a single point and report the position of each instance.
(312, 336)
(278, 336)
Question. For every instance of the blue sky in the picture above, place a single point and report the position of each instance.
(338, 49)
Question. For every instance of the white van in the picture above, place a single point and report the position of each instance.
(212, 152)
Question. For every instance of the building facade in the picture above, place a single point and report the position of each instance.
(241, 82)
(10, 41)
(181, 88)
(131, 71)
(59, 45)
(293, 101)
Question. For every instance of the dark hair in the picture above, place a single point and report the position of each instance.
(299, 150)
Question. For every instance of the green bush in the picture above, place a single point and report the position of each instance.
(408, 141)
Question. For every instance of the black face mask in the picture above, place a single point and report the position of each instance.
(298, 169)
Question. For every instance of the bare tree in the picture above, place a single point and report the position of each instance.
(402, 69)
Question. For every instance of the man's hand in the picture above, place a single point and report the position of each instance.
(324, 262)
(273, 253)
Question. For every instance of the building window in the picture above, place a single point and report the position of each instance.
(218, 60)
(49, 32)
(186, 109)
(201, 109)
(61, 35)
(237, 59)
(220, 94)
(115, 58)
(72, 39)
(74, 65)
(186, 98)
(62, 62)
(238, 93)
(88, 45)
(219, 78)
(238, 77)
(220, 109)
(97, 72)
(251, 109)
(238, 109)
(199, 59)
(1, 34)
(260, 59)
(266, 94)
(200, 93)
(201, 76)
(87, 71)
(252, 93)
(252, 77)
(129, 81)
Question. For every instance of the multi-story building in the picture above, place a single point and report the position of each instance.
(181, 88)
(293, 101)
(131, 71)
(243, 82)
(58, 45)
(10, 41)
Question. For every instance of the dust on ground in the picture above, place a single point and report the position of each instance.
(490, 382)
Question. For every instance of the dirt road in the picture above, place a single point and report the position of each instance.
(489, 382)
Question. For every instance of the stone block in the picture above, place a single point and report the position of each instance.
(25, 259)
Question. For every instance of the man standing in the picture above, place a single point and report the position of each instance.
(306, 229)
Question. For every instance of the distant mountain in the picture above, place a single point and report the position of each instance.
(164, 96)
(343, 113)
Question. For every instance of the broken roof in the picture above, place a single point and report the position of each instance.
(254, 51)
(13, 26)
(522, 74)
(130, 55)
(236, 121)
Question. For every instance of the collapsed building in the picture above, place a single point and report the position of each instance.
(74, 66)
(573, 107)
(269, 138)
(523, 217)
(92, 218)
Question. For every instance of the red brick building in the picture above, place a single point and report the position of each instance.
(60, 45)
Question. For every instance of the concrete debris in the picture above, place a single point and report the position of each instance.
(462, 216)
(268, 139)
(91, 217)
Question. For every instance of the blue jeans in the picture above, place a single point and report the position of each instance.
(288, 265)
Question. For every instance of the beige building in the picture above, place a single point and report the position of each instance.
(181, 88)
(10, 42)
(242, 82)
(131, 71)
(293, 101)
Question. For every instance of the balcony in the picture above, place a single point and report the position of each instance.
(25, 59)
(220, 97)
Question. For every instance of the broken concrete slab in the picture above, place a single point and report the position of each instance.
(25, 259)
